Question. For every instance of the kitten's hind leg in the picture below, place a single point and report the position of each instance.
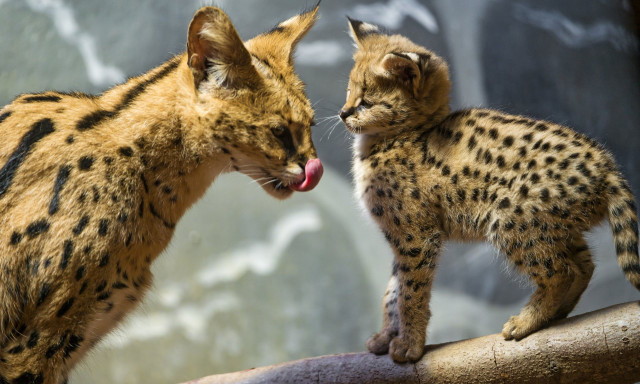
(379, 342)
(554, 277)
(581, 260)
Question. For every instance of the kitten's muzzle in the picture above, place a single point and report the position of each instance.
(345, 113)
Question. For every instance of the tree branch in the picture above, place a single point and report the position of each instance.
(597, 347)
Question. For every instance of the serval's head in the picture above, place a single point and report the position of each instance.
(250, 97)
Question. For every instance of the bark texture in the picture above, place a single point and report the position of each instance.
(596, 347)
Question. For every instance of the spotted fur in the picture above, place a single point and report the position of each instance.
(426, 175)
(91, 187)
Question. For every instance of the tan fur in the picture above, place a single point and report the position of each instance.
(92, 187)
(529, 187)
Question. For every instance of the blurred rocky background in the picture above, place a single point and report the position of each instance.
(250, 281)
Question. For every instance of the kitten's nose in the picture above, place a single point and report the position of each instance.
(344, 113)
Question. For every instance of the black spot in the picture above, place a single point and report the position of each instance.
(493, 133)
(472, 143)
(104, 296)
(126, 151)
(541, 127)
(446, 171)
(16, 237)
(415, 193)
(44, 292)
(500, 161)
(85, 163)
(572, 180)
(544, 194)
(70, 139)
(37, 227)
(53, 349)
(103, 227)
(509, 225)
(39, 130)
(507, 141)
(528, 137)
(535, 178)
(487, 157)
(80, 272)
(104, 260)
(65, 307)
(66, 253)
(61, 179)
(15, 350)
(549, 159)
(516, 166)
(504, 203)
(462, 194)
(33, 339)
(377, 210)
(82, 224)
(545, 147)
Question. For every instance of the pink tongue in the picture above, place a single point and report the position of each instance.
(313, 172)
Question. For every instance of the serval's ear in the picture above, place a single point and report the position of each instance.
(280, 42)
(407, 68)
(216, 53)
(360, 30)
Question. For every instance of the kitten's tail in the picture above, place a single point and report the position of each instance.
(623, 218)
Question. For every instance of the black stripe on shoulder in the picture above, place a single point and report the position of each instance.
(61, 179)
(4, 116)
(94, 118)
(39, 130)
(41, 98)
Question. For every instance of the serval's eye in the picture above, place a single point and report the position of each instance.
(279, 130)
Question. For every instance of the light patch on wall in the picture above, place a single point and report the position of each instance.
(261, 257)
(64, 21)
(576, 35)
(392, 14)
(321, 53)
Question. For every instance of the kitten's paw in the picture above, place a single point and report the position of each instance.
(379, 343)
(519, 327)
(406, 350)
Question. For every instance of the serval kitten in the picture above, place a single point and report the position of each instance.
(91, 187)
(530, 188)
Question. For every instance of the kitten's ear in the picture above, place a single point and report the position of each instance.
(360, 30)
(286, 35)
(406, 68)
(215, 50)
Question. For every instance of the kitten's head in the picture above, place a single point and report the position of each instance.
(249, 96)
(394, 83)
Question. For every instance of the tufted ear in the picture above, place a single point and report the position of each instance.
(360, 30)
(407, 68)
(216, 52)
(281, 40)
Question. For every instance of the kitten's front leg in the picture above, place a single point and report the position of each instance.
(406, 304)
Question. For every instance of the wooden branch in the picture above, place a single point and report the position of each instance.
(596, 347)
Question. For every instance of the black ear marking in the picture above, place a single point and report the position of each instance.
(361, 30)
